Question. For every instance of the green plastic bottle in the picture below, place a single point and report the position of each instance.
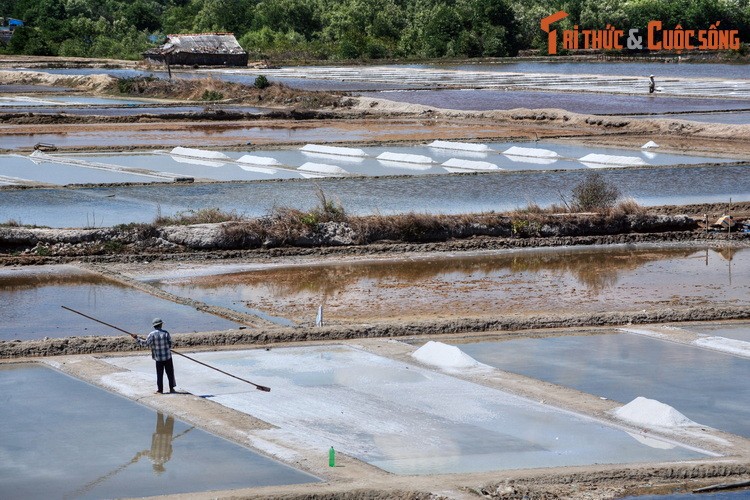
(331, 457)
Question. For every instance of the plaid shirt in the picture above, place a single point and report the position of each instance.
(160, 343)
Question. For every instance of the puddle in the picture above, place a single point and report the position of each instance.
(62, 438)
(31, 300)
(706, 386)
(402, 418)
(446, 194)
(537, 281)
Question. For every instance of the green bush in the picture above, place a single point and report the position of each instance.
(212, 95)
(261, 82)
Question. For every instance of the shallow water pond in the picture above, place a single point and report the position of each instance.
(706, 386)
(62, 438)
(447, 194)
(31, 300)
(519, 282)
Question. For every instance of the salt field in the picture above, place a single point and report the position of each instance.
(449, 194)
(512, 282)
(701, 384)
(572, 356)
(402, 418)
(31, 300)
(624, 104)
(223, 165)
(63, 438)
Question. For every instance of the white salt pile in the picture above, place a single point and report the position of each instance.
(460, 146)
(652, 413)
(445, 356)
(650, 144)
(595, 160)
(259, 160)
(332, 150)
(470, 164)
(198, 153)
(322, 168)
(404, 158)
(531, 152)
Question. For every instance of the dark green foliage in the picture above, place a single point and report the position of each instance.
(212, 95)
(342, 29)
(261, 82)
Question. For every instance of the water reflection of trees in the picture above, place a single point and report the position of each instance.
(597, 270)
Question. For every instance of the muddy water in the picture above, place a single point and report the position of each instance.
(531, 282)
(31, 300)
(703, 385)
(62, 438)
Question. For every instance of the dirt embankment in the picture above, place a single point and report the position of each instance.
(306, 231)
(266, 336)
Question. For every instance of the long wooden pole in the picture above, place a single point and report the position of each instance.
(259, 387)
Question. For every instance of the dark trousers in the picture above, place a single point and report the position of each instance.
(169, 367)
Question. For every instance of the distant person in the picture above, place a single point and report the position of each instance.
(651, 85)
(160, 342)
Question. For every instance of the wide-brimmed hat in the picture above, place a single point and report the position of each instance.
(157, 322)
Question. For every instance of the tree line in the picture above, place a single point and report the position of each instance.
(341, 29)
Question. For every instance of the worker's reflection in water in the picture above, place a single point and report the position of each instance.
(161, 443)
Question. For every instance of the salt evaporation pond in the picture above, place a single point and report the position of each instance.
(532, 281)
(20, 168)
(403, 418)
(203, 164)
(706, 386)
(483, 100)
(31, 300)
(63, 438)
(442, 194)
(737, 332)
(370, 164)
(65, 101)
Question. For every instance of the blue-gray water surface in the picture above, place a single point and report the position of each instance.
(591, 103)
(448, 194)
(31, 300)
(703, 385)
(62, 438)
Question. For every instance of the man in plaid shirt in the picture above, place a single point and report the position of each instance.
(160, 343)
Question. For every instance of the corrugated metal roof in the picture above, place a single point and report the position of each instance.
(214, 43)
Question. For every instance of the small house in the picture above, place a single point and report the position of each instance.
(202, 49)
